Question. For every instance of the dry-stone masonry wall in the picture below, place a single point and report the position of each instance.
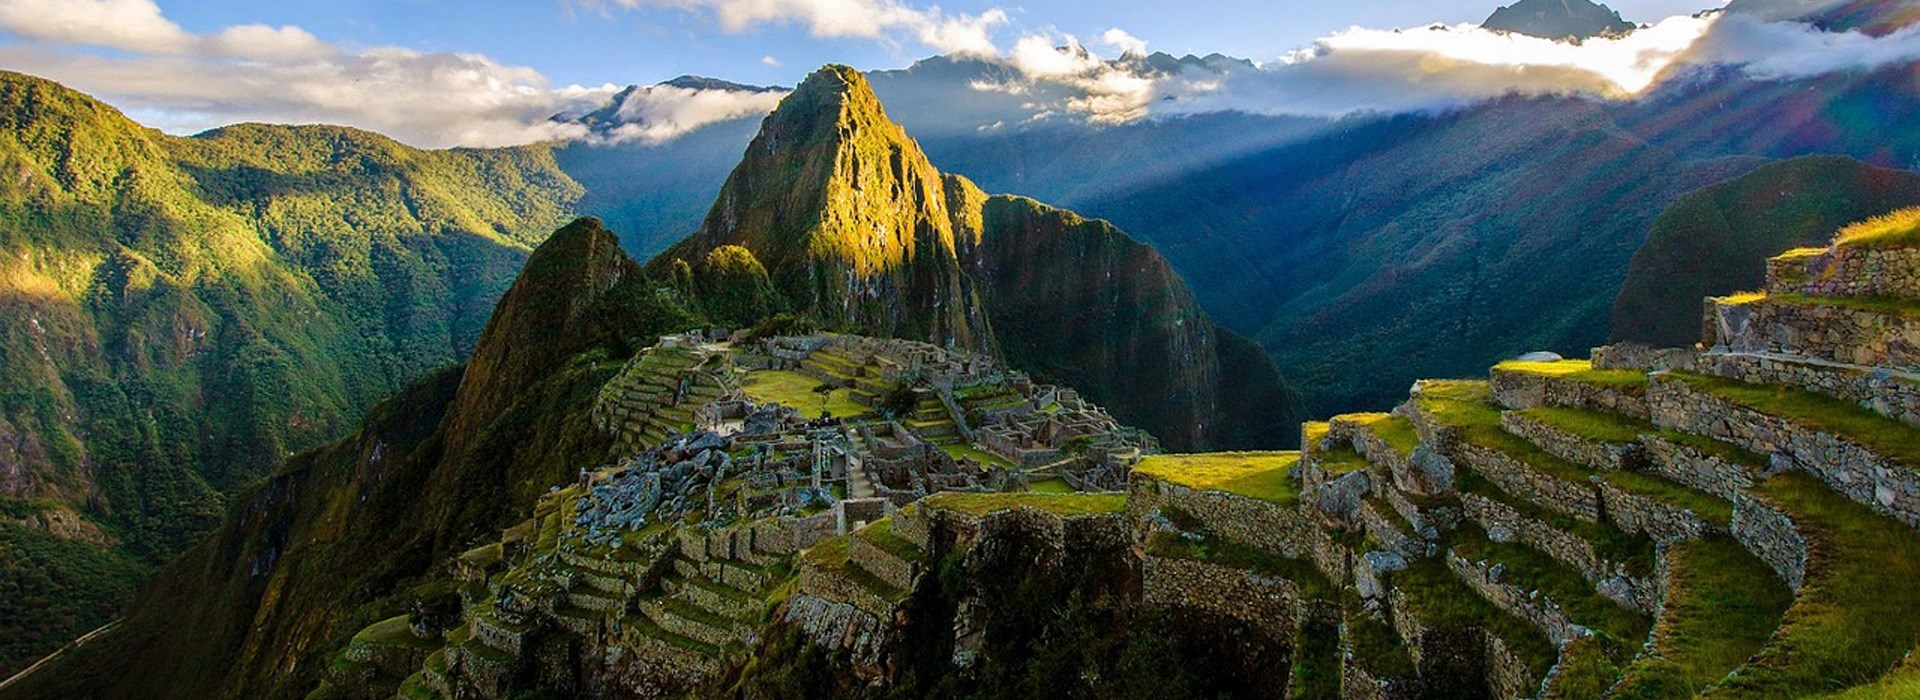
(1886, 486)
(1848, 272)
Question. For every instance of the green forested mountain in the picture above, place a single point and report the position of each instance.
(1715, 241)
(183, 314)
(329, 543)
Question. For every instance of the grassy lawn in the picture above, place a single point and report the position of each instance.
(1884, 436)
(393, 631)
(1341, 460)
(979, 455)
(1708, 506)
(1261, 475)
(1580, 371)
(796, 390)
(1880, 305)
(1722, 607)
(1051, 486)
(1064, 504)
(1397, 432)
(1598, 426)
(1854, 617)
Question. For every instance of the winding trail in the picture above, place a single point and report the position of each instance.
(75, 644)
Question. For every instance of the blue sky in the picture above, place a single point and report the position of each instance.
(570, 43)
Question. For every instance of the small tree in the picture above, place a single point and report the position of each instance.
(825, 391)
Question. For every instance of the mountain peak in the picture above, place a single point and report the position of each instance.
(1559, 19)
(848, 213)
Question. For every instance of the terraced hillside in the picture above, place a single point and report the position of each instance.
(1735, 521)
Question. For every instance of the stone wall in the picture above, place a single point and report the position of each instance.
(897, 572)
(1522, 390)
(834, 586)
(1268, 603)
(1848, 272)
(838, 626)
(1639, 515)
(1682, 464)
(1771, 535)
(1575, 448)
(1507, 676)
(1888, 487)
(1610, 578)
(1821, 331)
(1523, 481)
(1271, 527)
(1894, 394)
(1389, 533)
(1526, 605)
(1635, 357)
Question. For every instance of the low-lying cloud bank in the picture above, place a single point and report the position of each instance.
(181, 81)
(1437, 67)
(130, 52)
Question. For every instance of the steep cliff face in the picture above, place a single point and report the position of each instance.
(1080, 303)
(860, 232)
(849, 217)
(338, 536)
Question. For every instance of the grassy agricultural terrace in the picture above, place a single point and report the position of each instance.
(799, 391)
(1259, 475)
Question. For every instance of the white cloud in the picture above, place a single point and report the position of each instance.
(769, 61)
(185, 82)
(663, 112)
(869, 19)
(1436, 67)
(1794, 50)
(130, 25)
(1126, 43)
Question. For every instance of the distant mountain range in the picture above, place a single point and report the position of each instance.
(1559, 19)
